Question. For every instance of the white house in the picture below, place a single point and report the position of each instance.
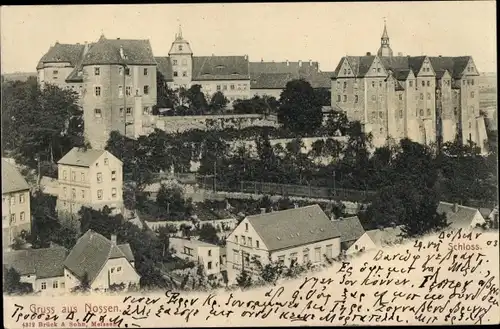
(352, 235)
(302, 235)
(42, 268)
(104, 261)
(459, 216)
(198, 251)
(379, 238)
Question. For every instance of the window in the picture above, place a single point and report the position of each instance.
(120, 70)
(97, 71)
(99, 194)
(145, 110)
(373, 84)
(145, 71)
(113, 192)
(184, 73)
(119, 269)
(380, 83)
(21, 198)
(428, 95)
(294, 257)
(305, 254)
(112, 270)
(472, 82)
(317, 254)
(243, 241)
(356, 98)
(236, 239)
(329, 251)
(338, 98)
(129, 111)
(455, 111)
(400, 97)
(345, 84)
(345, 71)
(127, 71)
(121, 111)
(12, 218)
(175, 73)
(174, 62)
(345, 98)
(236, 256)
(411, 83)
(73, 193)
(97, 91)
(471, 94)
(97, 113)
(180, 47)
(43, 285)
(428, 83)
(218, 88)
(246, 227)
(250, 242)
(209, 265)
(106, 161)
(99, 177)
(146, 90)
(232, 87)
(421, 96)
(128, 90)
(55, 285)
(428, 112)
(21, 216)
(62, 284)
(210, 253)
(247, 257)
(64, 191)
(401, 113)
(423, 83)
(113, 175)
(281, 259)
(55, 72)
(257, 243)
(83, 194)
(378, 69)
(224, 87)
(73, 176)
(421, 112)
(381, 130)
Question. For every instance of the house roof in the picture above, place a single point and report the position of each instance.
(60, 53)
(293, 227)
(271, 80)
(455, 65)
(220, 68)
(350, 228)
(164, 66)
(193, 242)
(485, 212)
(107, 51)
(12, 180)
(80, 157)
(44, 263)
(460, 219)
(385, 236)
(91, 252)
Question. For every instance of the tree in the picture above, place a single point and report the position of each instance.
(324, 96)
(300, 110)
(244, 280)
(12, 283)
(84, 285)
(196, 100)
(337, 121)
(218, 102)
(208, 233)
(268, 161)
(166, 97)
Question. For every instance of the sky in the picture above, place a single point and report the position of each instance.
(322, 32)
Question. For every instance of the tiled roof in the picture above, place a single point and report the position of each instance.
(191, 242)
(460, 219)
(62, 53)
(12, 180)
(90, 254)
(293, 227)
(164, 66)
(485, 212)
(80, 157)
(271, 80)
(107, 51)
(455, 65)
(350, 228)
(44, 263)
(385, 236)
(359, 64)
(220, 68)
(303, 67)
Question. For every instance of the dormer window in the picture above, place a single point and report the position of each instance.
(97, 71)
(220, 67)
(180, 47)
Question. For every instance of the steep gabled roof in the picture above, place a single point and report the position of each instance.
(220, 68)
(107, 51)
(350, 228)
(44, 263)
(90, 254)
(80, 157)
(60, 53)
(455, 65)
(293, 227)
(415, 63)
(385, 236)
(359, 64)
(164, 66)
(12, 180)
(462, 218)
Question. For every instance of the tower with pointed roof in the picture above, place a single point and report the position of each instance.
(181, 59)
(385, 49)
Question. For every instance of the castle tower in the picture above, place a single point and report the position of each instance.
(385, 49)
(181, 59)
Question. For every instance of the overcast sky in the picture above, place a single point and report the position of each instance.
(323, 32)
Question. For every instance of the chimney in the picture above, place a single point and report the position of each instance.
(400, 54)
(113, 238)
(310, 62)
(295, 205)
(85, 48)
(246, 57)
(455, 207)
(300, 63)
(122, 55)
(262, 210)
(440, 56)
(287, 63)
(262, 60)
(368, 53)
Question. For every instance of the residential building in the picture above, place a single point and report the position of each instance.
(200, 252)
(102, 260)
(16, 211)
(300, 235)
(351, 233)
(116, 81)
(460, 217)
(91, 178)
(423, 98)
(42, 268)
(380, 238)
